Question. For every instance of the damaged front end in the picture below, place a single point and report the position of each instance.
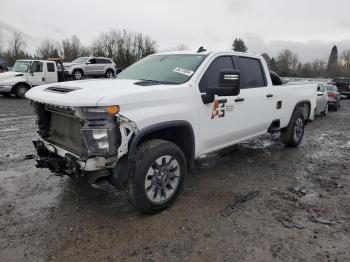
(77, 140)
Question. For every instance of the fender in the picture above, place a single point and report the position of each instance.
(177, 123)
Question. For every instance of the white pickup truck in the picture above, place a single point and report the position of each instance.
(143, 130)
(26, 74)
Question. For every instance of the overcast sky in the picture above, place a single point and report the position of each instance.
(308, 27)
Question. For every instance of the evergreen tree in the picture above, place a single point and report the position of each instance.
(238, 45)
(332, 68)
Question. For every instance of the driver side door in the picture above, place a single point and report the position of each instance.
(217, 125)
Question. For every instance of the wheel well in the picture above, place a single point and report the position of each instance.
(181, 135)
(305, 106)
(76, 69)
(20, 84)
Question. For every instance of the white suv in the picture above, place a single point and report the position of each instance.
(90, 66)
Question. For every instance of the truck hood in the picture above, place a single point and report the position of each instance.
(96, 92)
(8, 76)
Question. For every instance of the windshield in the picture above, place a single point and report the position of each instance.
(176, 69)
(21, 66)
(80, 60)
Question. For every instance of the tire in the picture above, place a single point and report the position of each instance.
(109, 73)
(325, 111)
(152, 186)
(335, 107)
(20, 91)
(292, 135)
(77, 74)
(6, 94)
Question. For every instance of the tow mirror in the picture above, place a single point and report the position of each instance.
(228, 85)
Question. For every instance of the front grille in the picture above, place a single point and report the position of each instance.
(65, 131)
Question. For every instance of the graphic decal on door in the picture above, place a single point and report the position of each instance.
(219, 108)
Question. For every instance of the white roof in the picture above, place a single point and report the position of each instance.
(212, 52)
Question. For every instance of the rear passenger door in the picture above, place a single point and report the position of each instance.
(257, 102)
(91, 67)
(101, 66)
(51, 73)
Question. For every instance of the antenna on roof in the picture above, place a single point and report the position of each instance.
(201, 49)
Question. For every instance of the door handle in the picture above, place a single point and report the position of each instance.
(43, 79)
(239, 99)
(269, 95)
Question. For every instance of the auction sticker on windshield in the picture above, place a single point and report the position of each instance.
(183, 71)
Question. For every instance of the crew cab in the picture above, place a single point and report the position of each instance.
(143, 130)
(26, 74)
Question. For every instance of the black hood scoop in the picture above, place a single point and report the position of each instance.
(61, 89)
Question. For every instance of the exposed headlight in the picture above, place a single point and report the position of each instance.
(99, 134)
(103, 145)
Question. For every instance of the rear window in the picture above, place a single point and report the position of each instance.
(50, 67)
(251, 72)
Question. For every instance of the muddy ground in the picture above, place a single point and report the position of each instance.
(49, 218)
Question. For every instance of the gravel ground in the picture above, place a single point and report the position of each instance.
(49, 218)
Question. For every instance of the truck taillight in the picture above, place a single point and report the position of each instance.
(332, 95)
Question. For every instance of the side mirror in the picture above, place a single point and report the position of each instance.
(88, 63)
(228, 85)
(320, 93)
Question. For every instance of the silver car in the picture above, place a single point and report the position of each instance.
(90, 66)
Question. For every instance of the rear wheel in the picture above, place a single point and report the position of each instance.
(157, 175)
(21, 90)
(292, 135)
(109, 73)
(325, 111)
(77, 74)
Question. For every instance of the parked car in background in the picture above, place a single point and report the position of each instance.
(90, 66)
(343, 85)
(25, 75)
(322, 104)
(3, 66)
(334, 96)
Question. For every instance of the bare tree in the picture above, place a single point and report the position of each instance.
(72, 49)
(123, 47)
(287, 62)
(346, 58)
(17, 45)
(48, 48)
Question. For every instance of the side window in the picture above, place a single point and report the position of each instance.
(211, 76)
(37, 67)
(50, 67)
(92, 61)
(252, 75)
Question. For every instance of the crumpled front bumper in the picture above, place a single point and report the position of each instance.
(59, 160)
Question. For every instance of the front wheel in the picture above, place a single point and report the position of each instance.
(78, 75)
(157, 175)
(21, 90)
(292, 135)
